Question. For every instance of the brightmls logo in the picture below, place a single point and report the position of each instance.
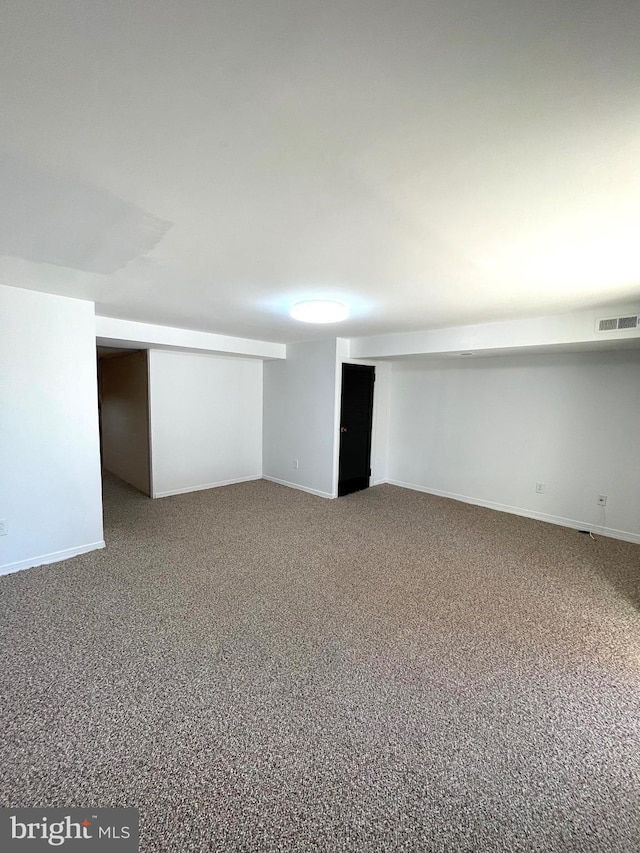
(77, 830)
(56, 832)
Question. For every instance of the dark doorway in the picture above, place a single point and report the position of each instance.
(123, 407)
(356, 420)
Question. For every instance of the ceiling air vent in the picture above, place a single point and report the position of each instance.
(627, 322)
(612, 324)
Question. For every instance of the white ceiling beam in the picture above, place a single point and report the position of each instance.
(127, 333)
(564, 330)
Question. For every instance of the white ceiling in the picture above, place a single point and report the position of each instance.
(204, 164)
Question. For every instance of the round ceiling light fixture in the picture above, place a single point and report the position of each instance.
(319, 311)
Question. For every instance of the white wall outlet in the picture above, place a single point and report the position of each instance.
(4, 526)
(540, 487)
(602, 500)
(296, 464)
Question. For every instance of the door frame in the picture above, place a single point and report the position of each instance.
(362, 372)
(381, 379)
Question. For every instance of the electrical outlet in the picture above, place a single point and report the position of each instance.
(4, 526)
(540, 487)
(602, 500)
(296, 464)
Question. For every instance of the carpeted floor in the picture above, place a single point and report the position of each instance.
(258, 669)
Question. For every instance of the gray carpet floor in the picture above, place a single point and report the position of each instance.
(258, 669)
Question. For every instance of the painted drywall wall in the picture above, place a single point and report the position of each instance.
(124, 418)
(299, 417)
(206, 421)
(488, 430)
(381, 422)
(50, 489)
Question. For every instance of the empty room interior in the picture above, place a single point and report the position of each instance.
(319, 423)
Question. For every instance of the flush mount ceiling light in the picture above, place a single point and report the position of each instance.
(319, 311)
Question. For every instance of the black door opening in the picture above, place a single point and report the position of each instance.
(356, 420)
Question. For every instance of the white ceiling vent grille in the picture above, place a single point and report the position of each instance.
(613, 324)
(627, 322)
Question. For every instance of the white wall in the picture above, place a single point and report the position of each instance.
(206, 420)
(50, 491)
(487, 430)
(299, 417)
(124, 418)
(381, 422)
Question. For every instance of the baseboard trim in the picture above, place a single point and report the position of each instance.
(53, 557)
(205, 486)
(289, 485)
(572, 523)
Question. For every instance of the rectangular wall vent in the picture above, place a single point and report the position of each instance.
(612, 324)
(627, 322)
(608, 325)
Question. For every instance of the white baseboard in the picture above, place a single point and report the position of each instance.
(316, 492)
(54, 557)
(526, 513)
(202, 488)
